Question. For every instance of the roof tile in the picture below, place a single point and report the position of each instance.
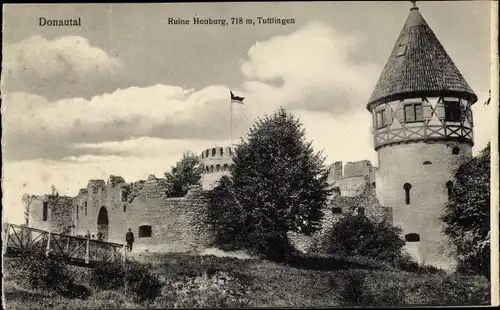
(425, 67)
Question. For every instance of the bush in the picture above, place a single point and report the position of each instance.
(355, 291)
(451, 290)
(356, 235)
(43, 272)
(221, 290)
(141, 282)
(108, 275)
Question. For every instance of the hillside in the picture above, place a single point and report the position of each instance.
(210, 281)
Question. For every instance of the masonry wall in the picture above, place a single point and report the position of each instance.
(58, 214)
(338, 207)
(428, 194)
(176, 224)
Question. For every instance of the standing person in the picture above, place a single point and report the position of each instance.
(129, 238)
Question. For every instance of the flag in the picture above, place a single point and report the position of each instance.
(489, 98)
(236, 99)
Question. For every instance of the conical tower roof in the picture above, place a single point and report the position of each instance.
(419, 65)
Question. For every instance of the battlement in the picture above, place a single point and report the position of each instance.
(217, 152)
(217, 159)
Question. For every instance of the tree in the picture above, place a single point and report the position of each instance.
(186, 172)
(226, 217)
(53, 196)
(467, 214)
(27, 202)
(279, 184)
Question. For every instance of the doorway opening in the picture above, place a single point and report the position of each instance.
(103, 223)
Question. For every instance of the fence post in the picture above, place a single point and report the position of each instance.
(87, 252)
(124, 257)
(6, 240)
(67, 245)
(47, 250)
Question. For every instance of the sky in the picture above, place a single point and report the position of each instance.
(127, 93)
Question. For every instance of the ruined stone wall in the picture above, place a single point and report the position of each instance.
(365, 202)
(358, 168)
(176, 224)
(59, 214)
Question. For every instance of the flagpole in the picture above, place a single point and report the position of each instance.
(231, 122)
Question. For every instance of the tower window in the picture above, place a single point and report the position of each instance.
(45, 211)
(124, 208)
(221, 151)
(402, 50)
(449, 186)
(380, 119)
(414, 112)
(373, 184)
(206, 153)
(85, 208)
(455, 150)
(145, 231)
(214, 150)
(427, 162)
(407, 187)
(225, 167)
(413, 237)
(217, 167)
(452, 111)
(77, 207)
(336, 210)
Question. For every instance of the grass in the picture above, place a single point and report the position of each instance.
(210, 281)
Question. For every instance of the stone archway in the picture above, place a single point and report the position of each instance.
(103, 223)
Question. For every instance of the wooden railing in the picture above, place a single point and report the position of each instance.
(78, 251)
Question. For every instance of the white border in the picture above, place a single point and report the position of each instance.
(494, 85)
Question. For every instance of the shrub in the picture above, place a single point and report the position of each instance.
(43, 272)
(221, 290)
(141, 282)
(451, 290)
(355, 291)
(108, 275)
(356, 235)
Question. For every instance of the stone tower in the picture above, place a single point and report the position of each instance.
(216, 162)
(422, 130)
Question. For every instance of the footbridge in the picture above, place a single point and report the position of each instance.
(78, 251)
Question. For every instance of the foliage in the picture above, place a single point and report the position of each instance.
(356, 235)
(356, 291)
(226, 217)
(43, 272)
(220, 290)
(53, 196)
(186, 172)
(451, 290)
(108, 275)
(467, 216)
(279, 184)
(224, 281)
(141, 281)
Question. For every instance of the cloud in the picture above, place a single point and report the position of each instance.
(48, 129)
(313, 69)
(65, 66)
